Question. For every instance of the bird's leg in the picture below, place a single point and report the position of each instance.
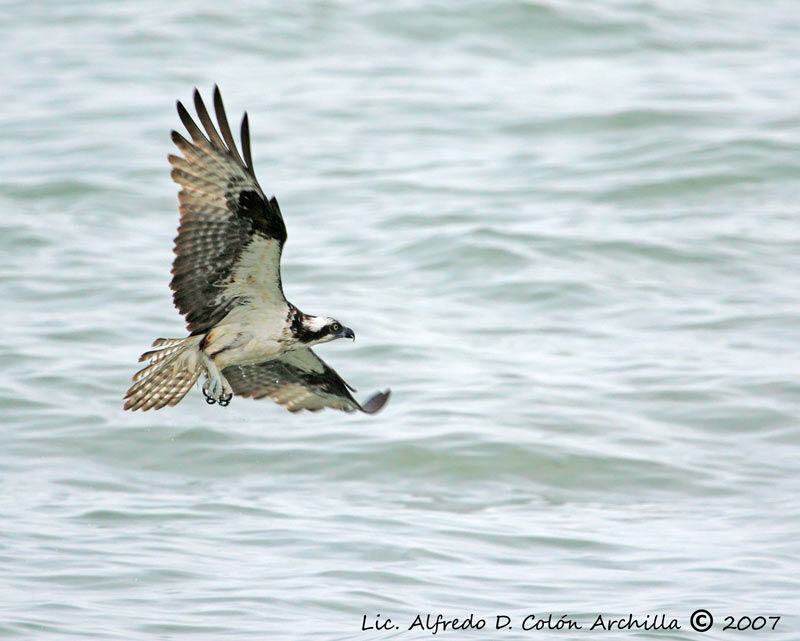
(216, 388)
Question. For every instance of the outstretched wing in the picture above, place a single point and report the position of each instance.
(229, 243)
(299, 380)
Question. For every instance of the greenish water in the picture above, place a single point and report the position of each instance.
(566, 235)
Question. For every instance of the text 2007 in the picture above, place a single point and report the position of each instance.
(746, 623)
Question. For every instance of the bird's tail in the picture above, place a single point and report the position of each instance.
(173, 369)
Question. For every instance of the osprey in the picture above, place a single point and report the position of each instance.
(245, 338)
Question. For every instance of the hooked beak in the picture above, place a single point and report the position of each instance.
(347, 333)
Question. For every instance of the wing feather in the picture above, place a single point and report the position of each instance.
(196, 155)
(245, 136)
(224, 127)
(198, 137)
(231, 235)
(299, 380)
(206, 121)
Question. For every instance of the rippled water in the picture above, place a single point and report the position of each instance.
(566, 234)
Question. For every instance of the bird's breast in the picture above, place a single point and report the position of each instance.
(248, 339)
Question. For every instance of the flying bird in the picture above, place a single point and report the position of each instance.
(244, 338)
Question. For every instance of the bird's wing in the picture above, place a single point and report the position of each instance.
(229, 243)
(299, 380)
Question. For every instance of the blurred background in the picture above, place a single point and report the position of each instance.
(566, 235)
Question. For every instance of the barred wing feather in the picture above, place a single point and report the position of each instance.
(231, 236)
(299, 380)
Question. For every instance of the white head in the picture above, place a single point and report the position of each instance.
(314, 330)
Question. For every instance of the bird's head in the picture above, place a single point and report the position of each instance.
(314, 330)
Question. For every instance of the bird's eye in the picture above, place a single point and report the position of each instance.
(335, 327)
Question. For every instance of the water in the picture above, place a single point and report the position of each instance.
(566, 236)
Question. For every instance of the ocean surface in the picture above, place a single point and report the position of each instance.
(566, 235)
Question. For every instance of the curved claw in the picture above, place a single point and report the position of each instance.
(215, 387)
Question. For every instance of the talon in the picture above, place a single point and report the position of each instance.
(215, 386)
